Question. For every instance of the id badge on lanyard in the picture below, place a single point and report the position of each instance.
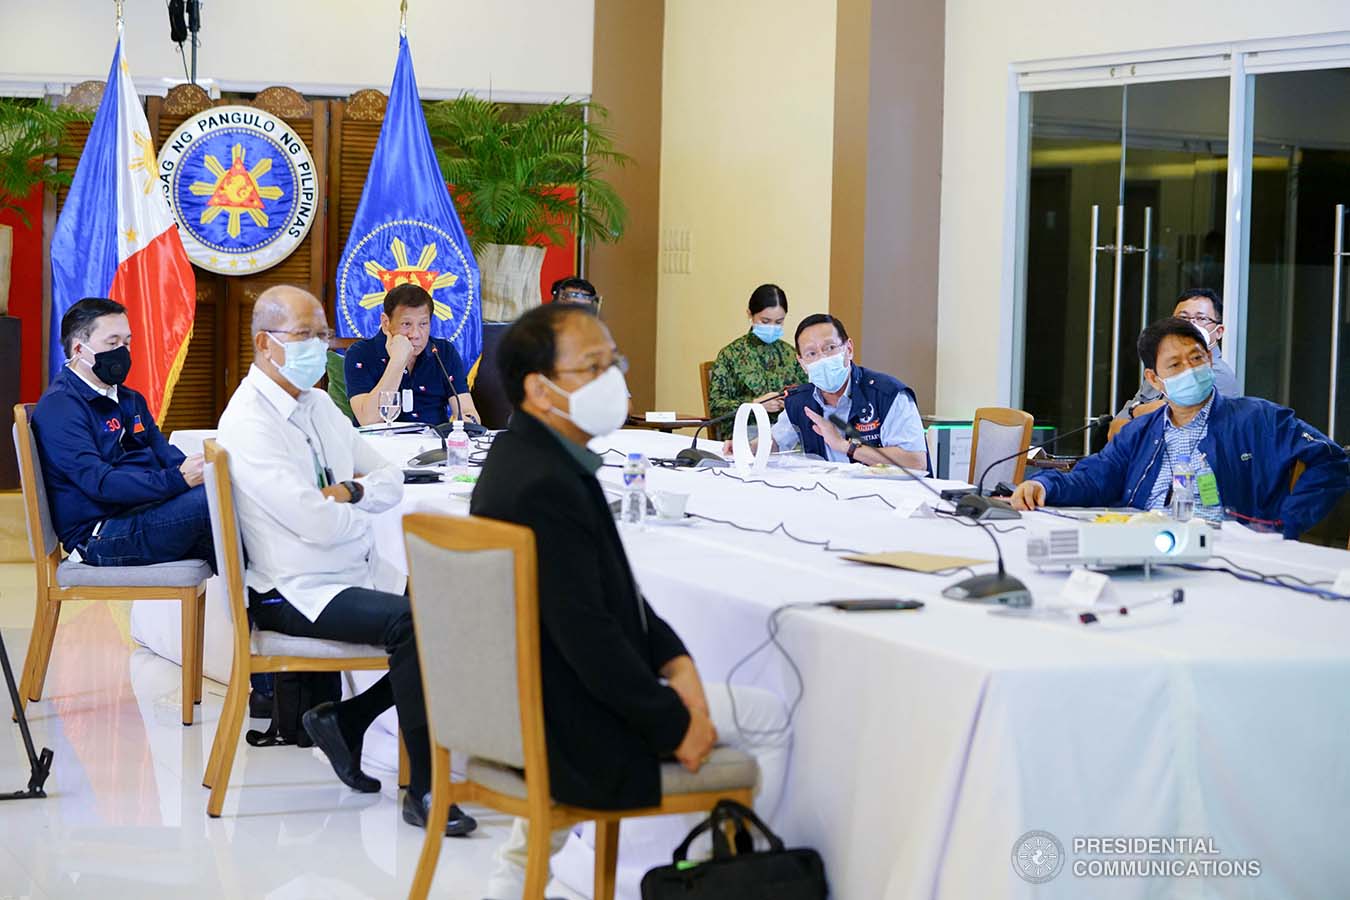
(407, 400)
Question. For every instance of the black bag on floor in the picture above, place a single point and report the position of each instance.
(293, 695)
(773, 874)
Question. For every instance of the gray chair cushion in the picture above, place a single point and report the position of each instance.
(184, 573)
(726, 770)
(274, 643)
(996, 442)
(464, 606)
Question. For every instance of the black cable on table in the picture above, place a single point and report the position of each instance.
(772, 626)
(1278, 580)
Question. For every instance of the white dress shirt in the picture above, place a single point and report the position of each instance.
(307, 546)
(110, 391)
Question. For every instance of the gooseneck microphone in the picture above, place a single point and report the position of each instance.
(975, 505)
(691, 455)
(1103, 419)
(998, 588)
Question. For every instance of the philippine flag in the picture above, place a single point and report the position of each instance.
(117, 238)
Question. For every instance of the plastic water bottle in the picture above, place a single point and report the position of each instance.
(1183, 489)
(633, 510)
(457, 450)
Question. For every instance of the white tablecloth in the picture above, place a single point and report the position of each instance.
(926, 743)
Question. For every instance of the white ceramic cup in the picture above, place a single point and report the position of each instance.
(670, 505)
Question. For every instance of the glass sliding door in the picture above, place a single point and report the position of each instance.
(1125, 208)
(1300, 189)
(1074, 187)
(1176, 173)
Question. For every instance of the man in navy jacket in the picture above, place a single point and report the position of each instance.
(1243, 450)
(119, 494)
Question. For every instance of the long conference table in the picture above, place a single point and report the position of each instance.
(927, 744)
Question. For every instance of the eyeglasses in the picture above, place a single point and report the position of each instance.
(1198, 319)
(575, 296)
(304, 334)
(596, 369)
(827, 350)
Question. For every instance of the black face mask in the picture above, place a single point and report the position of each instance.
(112, 366)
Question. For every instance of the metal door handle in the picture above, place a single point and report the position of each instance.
(1148, 260)
(1092, 325)
(1337, 254)
(1115, 309)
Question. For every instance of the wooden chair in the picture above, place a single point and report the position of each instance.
(479, 646)
(705, 379)
(1005, 431)
(261, 651)
(60, 580)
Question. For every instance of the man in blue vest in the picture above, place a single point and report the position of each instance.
(882, 409)
(1242, 450)
(119, 494)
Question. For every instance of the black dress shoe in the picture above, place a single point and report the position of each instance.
(458, 824)
(321, 724)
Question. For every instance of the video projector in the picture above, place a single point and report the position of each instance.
(1115, 544)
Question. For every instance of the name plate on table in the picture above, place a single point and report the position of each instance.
(661, 416)
(1085, 589)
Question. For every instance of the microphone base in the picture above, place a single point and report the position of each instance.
(984, 509)
(692, 457)
(998, 589)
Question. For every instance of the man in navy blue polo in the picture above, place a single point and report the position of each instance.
(425, 373)
(119, 494)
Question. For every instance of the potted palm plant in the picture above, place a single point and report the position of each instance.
(31, 133)
(520, 181)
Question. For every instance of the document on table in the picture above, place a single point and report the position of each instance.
(916, 562)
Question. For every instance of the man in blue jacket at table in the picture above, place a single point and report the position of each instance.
(1243, 450)
(119, 494)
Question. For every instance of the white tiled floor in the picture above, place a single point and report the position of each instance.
(126, 816)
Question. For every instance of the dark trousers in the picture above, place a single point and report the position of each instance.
(364, 616)
(177, 528)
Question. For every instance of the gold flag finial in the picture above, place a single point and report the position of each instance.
(117, 4)
(403, 18)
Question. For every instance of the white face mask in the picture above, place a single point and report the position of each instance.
(599, 407)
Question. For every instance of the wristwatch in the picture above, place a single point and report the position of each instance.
(355, 489)
(853, 446)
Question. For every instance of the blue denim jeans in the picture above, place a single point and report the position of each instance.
(178, 528)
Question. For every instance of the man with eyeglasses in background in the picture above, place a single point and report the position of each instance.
(574, 289)
(881, 408)
(431, 386)
(1203, 308)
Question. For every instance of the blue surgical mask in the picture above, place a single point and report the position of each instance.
(769, 334)
(1191, 387)
(306, 361)
(829, 372)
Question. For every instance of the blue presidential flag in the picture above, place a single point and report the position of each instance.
(406, 230)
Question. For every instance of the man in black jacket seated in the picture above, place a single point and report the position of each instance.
(621, 692)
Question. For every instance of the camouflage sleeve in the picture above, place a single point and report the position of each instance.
(724, 389)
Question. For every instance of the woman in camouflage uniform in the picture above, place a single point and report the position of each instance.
(758, 365)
